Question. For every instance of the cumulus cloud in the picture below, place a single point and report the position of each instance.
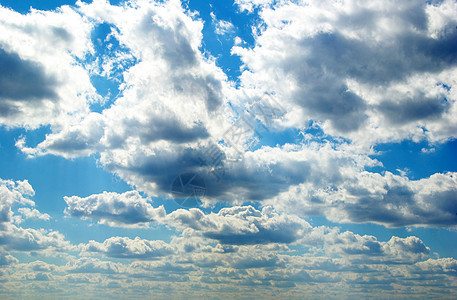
(12, 192)
(437, 266)
(326, 67)
(128, 209)
(16, 238)
(123, 247)
(24, 81)
(6, 259)
(371, 72)
(41, 82)
(240, 225)
(33, 214)
(388, 199)
(92, 265)
(367, 249)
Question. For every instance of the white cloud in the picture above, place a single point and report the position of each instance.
(6, 259)
(129, 209)
(123, 247)
(387, 199)
(92, 265)
(241, 225)
(437, 266)
(367, 249)
(45, 83)
(222, 27)
(16, 238)
(370, 72)
(33, 214)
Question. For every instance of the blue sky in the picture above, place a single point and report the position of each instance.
(318, 138)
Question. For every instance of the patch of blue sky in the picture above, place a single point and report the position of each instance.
(110, 59)
(53, 177)
(24, 6)
(220, 45)
(416, 160)
(78, 231)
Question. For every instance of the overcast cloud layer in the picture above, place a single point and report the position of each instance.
(345, 77)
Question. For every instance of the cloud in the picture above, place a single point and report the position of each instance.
(23, 80)
(6, 259)
(92, 265)
(222, 27)
(12, 192)
(367, 249)
(129, 209)
(123, 247)
(16, 238)
(33, 214)
(437, 266)
(42, 82)
(370, 72)
(358, 196)
(241, 225)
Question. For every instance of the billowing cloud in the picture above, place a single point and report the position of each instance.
(113, 209)
(371, 72)
(25, 80)
(14, 238)
(367, 249)
(17, 238)
(388, 199)
(6, 259)
(240, 225)
(348, 76)
(91, 265)
(123, 247)
(41, 82)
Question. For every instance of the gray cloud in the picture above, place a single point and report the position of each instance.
(23, 80)
(411, 110)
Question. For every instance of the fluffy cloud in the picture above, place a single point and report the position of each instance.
(241, 225)
(113, 209)
(123, 247)
(92, 265)
(174, 103)
(12, 192)
(388, 199)
(41, 80)
(371, 72)
(367, 249)
(6, 259)
(437, 266)
(16, 238)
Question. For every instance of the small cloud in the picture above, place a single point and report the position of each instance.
(221, 27)
(403, 172)
(428, 150)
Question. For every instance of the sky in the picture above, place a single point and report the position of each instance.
(228, 149)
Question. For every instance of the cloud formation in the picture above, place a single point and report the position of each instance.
(122, 247)
(241, 225)
(370, 72)
(113, 209)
